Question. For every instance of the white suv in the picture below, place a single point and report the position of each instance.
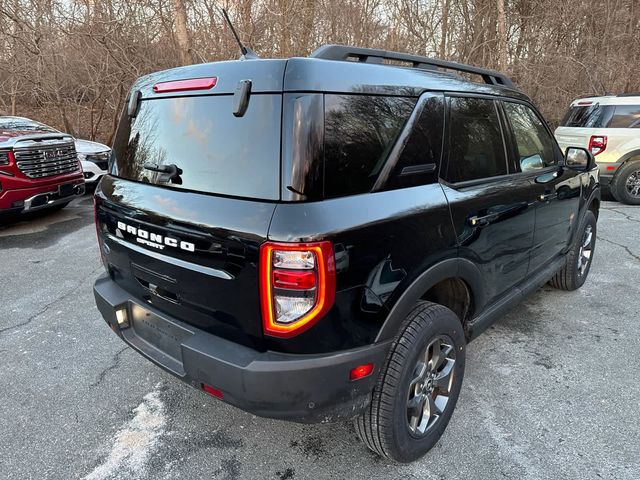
(610, 127)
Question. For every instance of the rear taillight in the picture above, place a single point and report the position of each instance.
(297, 286)
(597, 144)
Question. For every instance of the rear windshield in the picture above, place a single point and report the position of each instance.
(602, 116)
(591, 116)
(214, 151)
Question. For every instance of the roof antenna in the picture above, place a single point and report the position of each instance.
(247, 53)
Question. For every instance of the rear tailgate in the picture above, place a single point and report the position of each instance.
(573, 136)
(188, 242)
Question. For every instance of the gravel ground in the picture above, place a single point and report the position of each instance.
(551, 391)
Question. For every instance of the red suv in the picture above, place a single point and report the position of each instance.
(39, 167)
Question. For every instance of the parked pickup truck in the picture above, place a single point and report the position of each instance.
(39, 167)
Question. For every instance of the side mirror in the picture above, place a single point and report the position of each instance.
(580, 159)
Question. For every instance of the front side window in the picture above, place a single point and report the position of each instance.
(476, 145)
(533, 143)
(360, 131)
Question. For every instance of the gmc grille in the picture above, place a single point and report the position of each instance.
(47, 161)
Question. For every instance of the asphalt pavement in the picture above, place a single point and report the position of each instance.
(552, 391)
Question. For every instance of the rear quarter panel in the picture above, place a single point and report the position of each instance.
(382, 242)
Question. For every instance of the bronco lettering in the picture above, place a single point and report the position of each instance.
(155, 240)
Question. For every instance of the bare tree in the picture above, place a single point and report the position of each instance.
(70, 63)
(182, 32)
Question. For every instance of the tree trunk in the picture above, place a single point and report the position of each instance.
(444, 31)
(502, 36)
(14, 94)
(182, 33)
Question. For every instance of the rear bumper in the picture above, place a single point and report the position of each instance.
(607, 171)
(302, 388)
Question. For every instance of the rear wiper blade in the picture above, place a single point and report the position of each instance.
(170, 173)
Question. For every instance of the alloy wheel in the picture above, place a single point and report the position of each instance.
(430, 387)
(633, 184)
(586, 250)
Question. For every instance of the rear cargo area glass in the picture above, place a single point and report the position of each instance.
(215, 151)
(589, 116)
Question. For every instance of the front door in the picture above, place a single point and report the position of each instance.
(492, 208)
(555, 188)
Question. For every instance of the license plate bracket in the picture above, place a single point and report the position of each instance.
(65, 190)
(157, 338)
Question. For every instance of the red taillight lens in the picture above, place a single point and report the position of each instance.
(294, 279)
(297, 286)
(597, 144)
(186, 85)
(361, 371)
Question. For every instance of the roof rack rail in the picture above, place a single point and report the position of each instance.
(370, 55)
(629, 94)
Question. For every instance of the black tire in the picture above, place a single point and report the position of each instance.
(385, 425)
(574, 273)
(625, 186)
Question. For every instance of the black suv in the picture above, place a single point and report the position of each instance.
(317, 239)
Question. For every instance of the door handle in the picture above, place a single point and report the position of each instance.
(476, 221)
(547, 196)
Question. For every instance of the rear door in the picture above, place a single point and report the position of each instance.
(555, 189)
(188, 201)
(491, 208)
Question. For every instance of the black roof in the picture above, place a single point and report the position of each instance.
(369, 55)
(333, 69)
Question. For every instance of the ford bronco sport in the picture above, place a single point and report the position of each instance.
(610, 127)
(317, 239)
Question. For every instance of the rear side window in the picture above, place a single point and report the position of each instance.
(533, 143)
(625, 116)
(420, 159)
(360, 131)
(215, 151)
(476, 145)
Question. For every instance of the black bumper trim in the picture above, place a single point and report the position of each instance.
(302, 388)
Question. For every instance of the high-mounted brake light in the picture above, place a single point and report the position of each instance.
(297, 286)
(186, 85)
(585, 102)
(597, 144)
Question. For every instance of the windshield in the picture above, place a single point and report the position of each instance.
(23, 124)
(196, 143)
